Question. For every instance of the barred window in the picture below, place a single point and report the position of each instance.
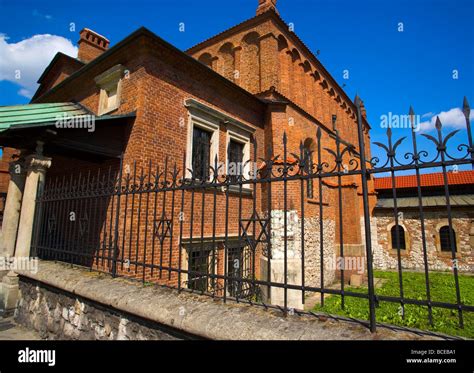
(445, 240)
(198, 267)
(201, 153)
(398, 237)
(235, 263)
(236, 159)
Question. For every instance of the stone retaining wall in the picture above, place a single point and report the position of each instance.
(58, 315)
(64, 302)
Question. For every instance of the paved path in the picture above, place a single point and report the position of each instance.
(9, 331)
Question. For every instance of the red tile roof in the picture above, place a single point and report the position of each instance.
(427, 180)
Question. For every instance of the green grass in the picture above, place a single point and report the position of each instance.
(442, 289)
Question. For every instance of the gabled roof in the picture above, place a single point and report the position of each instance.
(270, 14)
(60, 59)
(143, 31)
(229, 31)
(273, 96)
(426, 180)
(59, 56)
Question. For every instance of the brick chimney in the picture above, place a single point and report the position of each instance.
(265, 5)
(91, 45)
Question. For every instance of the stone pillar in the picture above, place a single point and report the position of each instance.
(9, 291)
(276, 295)
(37, 165)
(11, 215)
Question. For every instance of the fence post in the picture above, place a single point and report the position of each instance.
(117, 218)
(368, 238)
(466, 109)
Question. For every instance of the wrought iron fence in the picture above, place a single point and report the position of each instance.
(263, 237)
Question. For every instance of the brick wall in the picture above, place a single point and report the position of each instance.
(263, 53)
(7, 154)
(158, 81)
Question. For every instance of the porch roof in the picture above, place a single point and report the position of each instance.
(37, 115)
(22, 125)
(47, 114)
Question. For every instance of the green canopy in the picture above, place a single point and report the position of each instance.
(37, 115)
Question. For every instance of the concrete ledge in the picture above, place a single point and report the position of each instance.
(200, 315)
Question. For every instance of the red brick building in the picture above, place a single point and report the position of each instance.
(229, 98)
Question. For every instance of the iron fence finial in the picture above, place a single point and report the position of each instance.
(438, 124)
(411, 114)
(466, 109)
(318, 133)
(357, 100)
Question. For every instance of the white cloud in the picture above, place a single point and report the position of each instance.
(41, 15)
(453, 118)
(23, 62)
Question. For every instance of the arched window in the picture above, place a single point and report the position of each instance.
(444, 239)
(206, 59)
(250, 70)
(398, 237)
(285, 64)
(227, 61)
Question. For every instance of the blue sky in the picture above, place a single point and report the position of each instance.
(388, 68)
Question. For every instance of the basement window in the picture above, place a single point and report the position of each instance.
(110, 84)
(198, 267)
(235, 263)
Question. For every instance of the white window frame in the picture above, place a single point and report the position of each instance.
(200, 120)
(210, 119)
(185, 260)
(243, 266)
(243, 138)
